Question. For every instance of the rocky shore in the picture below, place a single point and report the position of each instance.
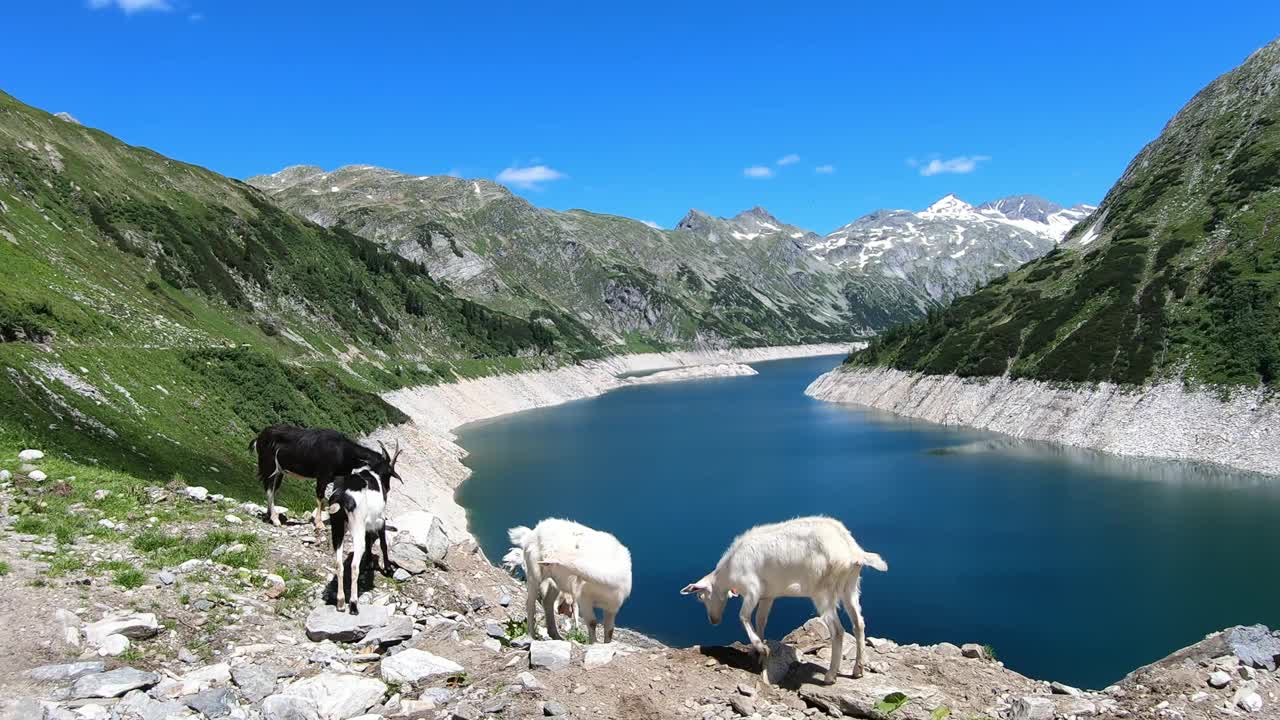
(432, 461)
(1160, 421)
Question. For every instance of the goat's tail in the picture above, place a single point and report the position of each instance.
(874, 561)
(519, 535)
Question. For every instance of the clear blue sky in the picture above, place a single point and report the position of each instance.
(650, 110)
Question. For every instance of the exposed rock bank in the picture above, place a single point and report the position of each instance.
(432, 461)
(1161, 421)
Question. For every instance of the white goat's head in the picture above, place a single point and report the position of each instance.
(711, 596)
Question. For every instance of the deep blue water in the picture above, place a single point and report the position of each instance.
(1075, 566)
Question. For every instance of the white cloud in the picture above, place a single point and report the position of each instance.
(825, 169)
(759, 172)
(529, 178)
(132, 6)
(957, 165)
(652, 224)
(791, 159)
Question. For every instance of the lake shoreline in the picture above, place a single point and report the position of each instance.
(1162, 421)
(432, 460)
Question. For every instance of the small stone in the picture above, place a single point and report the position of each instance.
(164, 577)
(188, 657)
(211, 703)
(598, 655)
(113, 646)
(398, 629)
(492, 644)
(495, 630)
(529, 682)
(1219, 679)
(495, 706)
(1248, 700)
(1247, 673)
(255, 681)
(947, 649)
(1058, 688)
(337, 696)
(973, 651)
(746, 690)
(30, 455)
(5, 476)
(742, 706)
(37, 476)
(550, 654)
(197, 493)
(101, 494)
(551, 708)
(401, 575)
(1200, 696)
(289, 707)
(466, 711)
(233, 519)
(135, 626)
(505, 600)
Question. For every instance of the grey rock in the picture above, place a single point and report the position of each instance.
(135, 626)
(746, 690)
(289, 707)
(550, 654)
(140, 705)
(782, 658)
(529, 681)
(973, 650)
(113, 645)
(466, 711)
(401, 575)
(202, 605)
(30, 455)
(197, 493)
(522, 643)
(1032, 707)
(1248, 700)
(188, 657)
(414, 665)
(71, 625)
(113, 684)
(439, 696)
(398, 629)
(211, 703)
(5, 476)
(505, 600)
(326, 623)
(1255, 645)
(1058, 688)
(551, 708)
(1219, 679)
(598, 655)
(947, 649)
(495, 630)
(24, 709)
(495, 706)
(256, 682)
(164, 577)
(66, 672)
(742, 705)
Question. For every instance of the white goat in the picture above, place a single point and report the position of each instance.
(813, 557)
(590, 566)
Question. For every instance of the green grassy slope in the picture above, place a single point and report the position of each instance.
(154, 314)
(1177, 274)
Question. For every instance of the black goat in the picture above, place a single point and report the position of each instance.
(321, 455)
(359, 507)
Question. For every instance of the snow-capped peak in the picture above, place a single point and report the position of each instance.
(949, 205)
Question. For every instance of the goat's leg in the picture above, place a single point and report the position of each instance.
(550, 598)
(339, 532)
(757, 643)
(531, 600)
(589, 616)
(609, 617)
(853, 606)
(321, 483)
(837, 642)
(382, 545)
(271, 475)
(762, 615)
(357, 560)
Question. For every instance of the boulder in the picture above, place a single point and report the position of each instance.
(326, 623)
(289, 707)
(413, 666)
(135, 626)
(782, 657)
(255, 681)
(1032, 707)
(1255, 645)
(550, 654)
(113, 645)
(419, 543)
(30, 455)
(337, 696)
(598, 655)
(113, 684)
(66, 672)
(197, 493)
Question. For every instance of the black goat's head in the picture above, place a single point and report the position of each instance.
(388, 466)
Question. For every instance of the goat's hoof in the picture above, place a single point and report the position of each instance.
(275, 521)
(829, 680)
(353, 609)
(340, 606)
(858, 671)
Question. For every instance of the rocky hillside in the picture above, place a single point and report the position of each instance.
(1175, 275)
(746, 281)
(199, 610)
(154, 314)
(951, 247)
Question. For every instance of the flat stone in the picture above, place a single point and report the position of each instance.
(135, 626)
(746, 690)
(1058, 688)
(326, 623)
(495, 630)
(398, 629)
(66, 672)
(742, 705)
(414, 665)
(30, 455)
(1032, 707)
(256, 682)
(1219, 679)
(219, 673)
(211, 703)
(550, 654)
(339, 696)
(113, 684)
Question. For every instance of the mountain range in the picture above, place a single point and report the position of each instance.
(1175, 275)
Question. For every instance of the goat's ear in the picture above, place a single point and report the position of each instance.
(693, 588)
